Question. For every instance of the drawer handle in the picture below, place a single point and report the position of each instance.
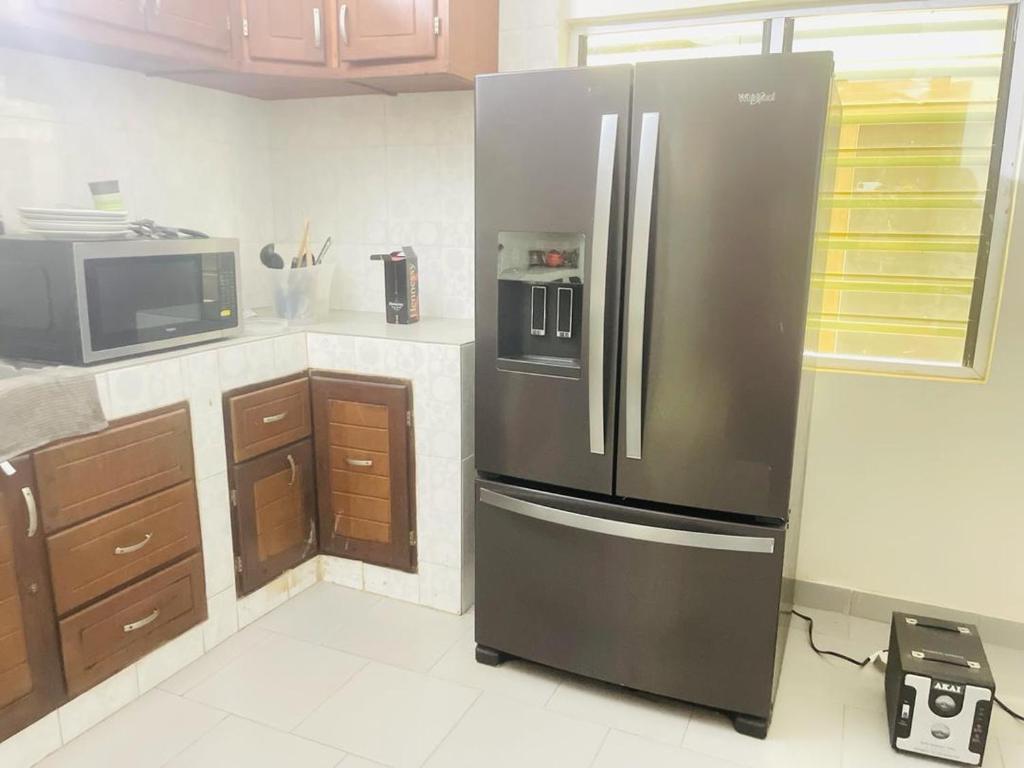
(291, 464)
(142, 622)
(359, 462)
(275, 418)
(134, 547)
(33, 512)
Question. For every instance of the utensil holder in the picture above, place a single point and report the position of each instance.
(302, 295)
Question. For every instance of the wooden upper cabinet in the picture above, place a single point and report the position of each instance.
(365, 472)
(30, 667)
(200, 22)
(130, 14)
(290, 31)
(378, 30)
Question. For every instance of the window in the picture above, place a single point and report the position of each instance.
(914, 219)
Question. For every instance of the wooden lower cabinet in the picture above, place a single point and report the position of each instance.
(111, 634)
(273, 514)
(365, 470)
(31, 682)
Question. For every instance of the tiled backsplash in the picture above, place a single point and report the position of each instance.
(374, 172)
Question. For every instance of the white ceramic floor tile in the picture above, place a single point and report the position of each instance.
(656, 719)
(316, 614)
(148, 732)
(624, 750)
(279, 682)
(244, 743)
(399, 634)
(354, 761)
(390, 715)
(213, 662)
(1009, 736)
(519, 680)
(501, 733)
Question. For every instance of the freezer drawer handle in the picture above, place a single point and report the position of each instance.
(696, 539)
(598, 279)
(639, 251)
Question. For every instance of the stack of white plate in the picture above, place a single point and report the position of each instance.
(78, 223)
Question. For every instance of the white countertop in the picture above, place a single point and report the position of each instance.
(431, 330)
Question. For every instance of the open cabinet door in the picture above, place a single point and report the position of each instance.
(365, 473)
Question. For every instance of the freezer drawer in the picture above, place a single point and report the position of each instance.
(674, 605)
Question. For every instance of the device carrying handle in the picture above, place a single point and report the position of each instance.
(939, 624)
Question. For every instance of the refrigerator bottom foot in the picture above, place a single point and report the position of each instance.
(749, 725)
(489, 656)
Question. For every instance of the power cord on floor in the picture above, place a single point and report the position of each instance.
(863, 663)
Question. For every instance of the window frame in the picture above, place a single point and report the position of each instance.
(778, 26)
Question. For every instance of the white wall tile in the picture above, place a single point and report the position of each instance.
(82, 713)
(144, 387)
(303, 576)
(331, 352)
(223, 618)
(391, 583)
(169, 659)
(439, 510)
(215, 522)
(27, 747)
(244, 364)
(338, 570)
(262, 601)
(201, 377)
(440, 587)
(290, 354)
(468, 399)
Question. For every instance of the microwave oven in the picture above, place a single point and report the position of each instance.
(89, 301)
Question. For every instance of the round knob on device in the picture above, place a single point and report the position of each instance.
(945, 705)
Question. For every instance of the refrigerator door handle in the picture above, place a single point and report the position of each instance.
(639, 250)
(764, 545)
(598, 279)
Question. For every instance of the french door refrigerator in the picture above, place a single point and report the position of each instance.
(644, 246)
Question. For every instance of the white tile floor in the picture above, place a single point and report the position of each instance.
(338, 678)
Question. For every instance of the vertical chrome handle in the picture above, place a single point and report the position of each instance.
(156, 7)
(639, 251)
(318, 40)
(33, 511)
(343, 22)
(599, 278)
(291, 464)
(142, 6)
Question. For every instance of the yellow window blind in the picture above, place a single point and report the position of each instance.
(919, 93)
(675, 42)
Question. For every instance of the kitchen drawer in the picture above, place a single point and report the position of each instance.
(118, 630)
(109, 551)
(266, 417)
(86, 476)
(361, 462)
(274, 514)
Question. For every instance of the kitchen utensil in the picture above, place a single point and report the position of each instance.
(323, 251)
(271, 258)
(301, 258)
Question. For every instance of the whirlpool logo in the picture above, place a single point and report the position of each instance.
(753, 98)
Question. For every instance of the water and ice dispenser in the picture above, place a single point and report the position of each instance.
(540, 300)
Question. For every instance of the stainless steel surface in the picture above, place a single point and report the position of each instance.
(599, 280)
(273, 419)
(318, 40)
(359, 462)
(291, 466)
(136, 625)
(343, 22)
(133, 547)
(539, 139)
(623, 530)
(31, 510)
(132, 248)
(728, 279)
(643, 210)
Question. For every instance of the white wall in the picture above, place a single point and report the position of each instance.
(185, 156)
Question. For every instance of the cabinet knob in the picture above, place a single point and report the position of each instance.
(33, 588)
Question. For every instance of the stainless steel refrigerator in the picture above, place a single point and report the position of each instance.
(644, 245)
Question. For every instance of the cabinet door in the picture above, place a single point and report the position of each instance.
(286, 30)
(376, 30)
(30, 668)
(365, 473)
(201, 22)
(119, 13)
(274, 514)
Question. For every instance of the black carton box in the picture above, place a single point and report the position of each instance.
(401, 285)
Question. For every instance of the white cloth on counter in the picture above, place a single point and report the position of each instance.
(40, 406)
